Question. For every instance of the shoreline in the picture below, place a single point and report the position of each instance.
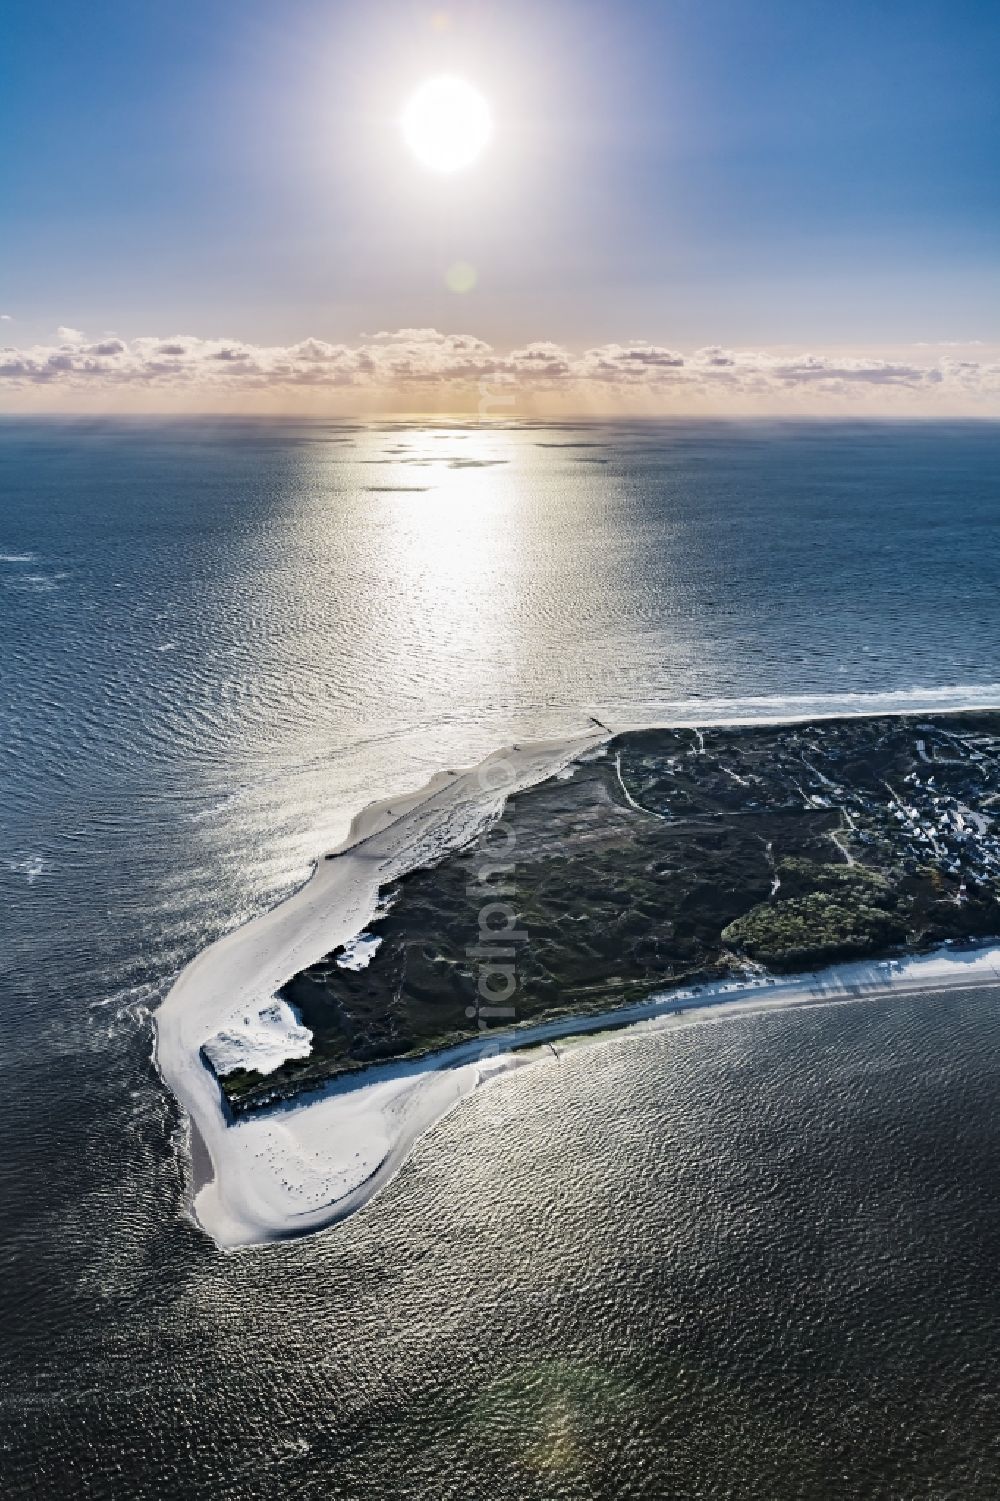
(312, 1160)
(247, 1196)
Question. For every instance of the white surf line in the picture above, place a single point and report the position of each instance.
(690, 714)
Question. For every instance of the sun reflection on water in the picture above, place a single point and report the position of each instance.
(447, 506)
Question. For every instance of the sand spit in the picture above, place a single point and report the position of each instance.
(299, 1168)
(314, 1160)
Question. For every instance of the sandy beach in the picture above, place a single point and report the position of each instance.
(301, 1166)
(304, 1166)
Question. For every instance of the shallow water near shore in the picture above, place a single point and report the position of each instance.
(755, 1258)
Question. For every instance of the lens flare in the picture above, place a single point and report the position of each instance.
(460, 278)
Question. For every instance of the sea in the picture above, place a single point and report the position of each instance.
(749, 1258)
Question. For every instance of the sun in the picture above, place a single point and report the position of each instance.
(447, 124)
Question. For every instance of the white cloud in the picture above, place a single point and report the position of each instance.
(6, 318)
(422, 363)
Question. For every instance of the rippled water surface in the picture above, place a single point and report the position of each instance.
(753, 1258)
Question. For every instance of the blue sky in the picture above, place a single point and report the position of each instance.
(730, 172)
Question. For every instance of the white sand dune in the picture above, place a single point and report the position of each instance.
(261, 1041)
(314, 1160)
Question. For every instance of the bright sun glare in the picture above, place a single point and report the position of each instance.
(447, 124)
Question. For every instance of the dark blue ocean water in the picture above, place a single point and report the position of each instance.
(751, 1259)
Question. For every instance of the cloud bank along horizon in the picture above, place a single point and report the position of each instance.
(415, 368)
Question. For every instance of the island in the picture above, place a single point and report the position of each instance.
(655, 861)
